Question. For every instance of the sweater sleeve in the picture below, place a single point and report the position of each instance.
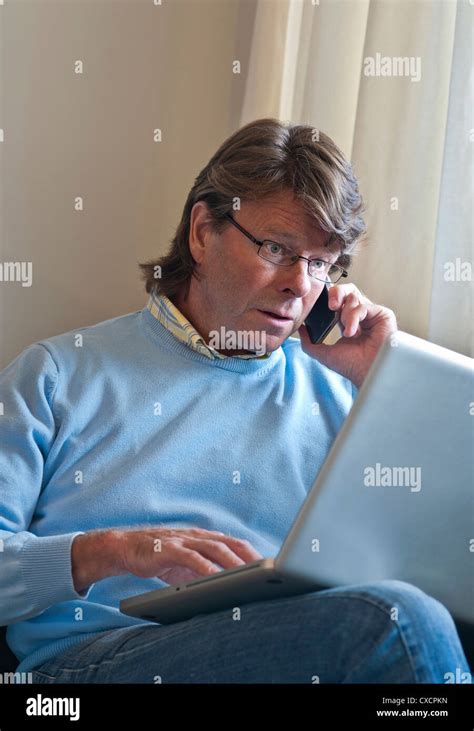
(35, 572)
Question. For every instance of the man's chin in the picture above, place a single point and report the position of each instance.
(273, 342)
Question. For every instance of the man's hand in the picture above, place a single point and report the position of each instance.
(365, 326)
(182, 554)
(171, 554)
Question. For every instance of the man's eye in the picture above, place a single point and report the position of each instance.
(276, 248)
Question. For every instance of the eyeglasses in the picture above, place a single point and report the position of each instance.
(283, 256)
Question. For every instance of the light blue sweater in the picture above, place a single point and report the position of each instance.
(132, 427)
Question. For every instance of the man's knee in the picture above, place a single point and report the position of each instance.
(405, 602)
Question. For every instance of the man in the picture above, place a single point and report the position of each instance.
(146, 450)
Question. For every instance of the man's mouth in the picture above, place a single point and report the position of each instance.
(276, 317)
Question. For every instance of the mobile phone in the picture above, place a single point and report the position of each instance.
(321, 320)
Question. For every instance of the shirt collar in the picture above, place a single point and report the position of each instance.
(173, 320)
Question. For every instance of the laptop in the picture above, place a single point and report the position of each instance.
(394, 498)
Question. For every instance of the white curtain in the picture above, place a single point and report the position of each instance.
(408, 138)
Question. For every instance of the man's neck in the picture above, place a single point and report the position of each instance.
(183, 303)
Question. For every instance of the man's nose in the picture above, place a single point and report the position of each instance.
(297, 278)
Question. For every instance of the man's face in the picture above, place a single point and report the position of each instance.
(238, 287)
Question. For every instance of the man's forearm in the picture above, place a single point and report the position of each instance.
(95, 556)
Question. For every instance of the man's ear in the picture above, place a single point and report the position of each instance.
(199, 230)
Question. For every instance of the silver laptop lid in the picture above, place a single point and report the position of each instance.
(394, 498)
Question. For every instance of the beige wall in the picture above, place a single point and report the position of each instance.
(91, 135)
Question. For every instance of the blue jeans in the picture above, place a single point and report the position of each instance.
(382, 632)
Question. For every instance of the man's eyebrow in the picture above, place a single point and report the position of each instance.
(283, 234)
